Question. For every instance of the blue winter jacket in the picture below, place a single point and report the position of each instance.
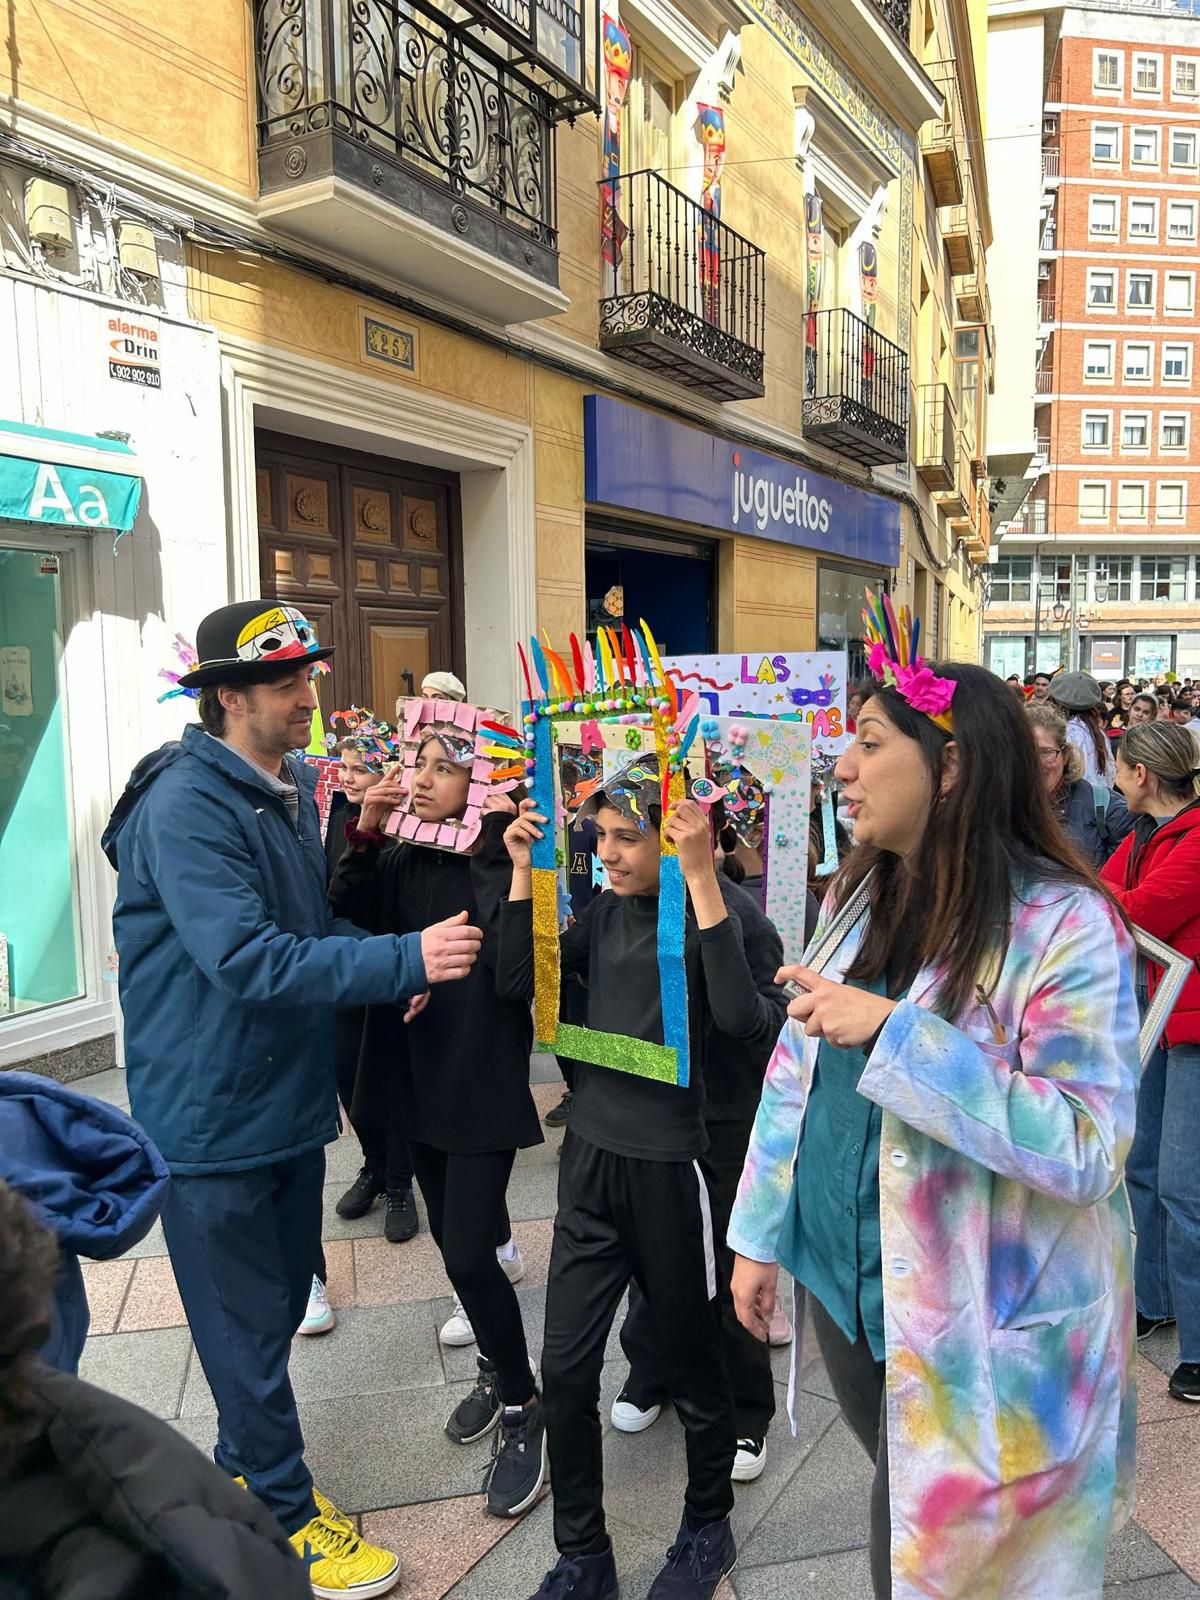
(231, 962)
(92, 1176)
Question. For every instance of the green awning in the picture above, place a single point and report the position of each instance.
(67, 480)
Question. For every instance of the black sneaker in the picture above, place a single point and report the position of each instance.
(697, 1563)
(400, 1223)
(517, 1469)
(1185, 1381)
(1148, 1325)
(360, 1196)
(581, 1577)
(557, 1115)
(478, 1414)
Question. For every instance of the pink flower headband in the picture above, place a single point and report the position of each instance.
(894, 660)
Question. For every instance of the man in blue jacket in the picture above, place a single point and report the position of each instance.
(231, 966)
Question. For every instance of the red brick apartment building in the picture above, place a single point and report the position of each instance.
(1102, 570)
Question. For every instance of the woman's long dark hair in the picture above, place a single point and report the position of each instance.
(1094, 723)
(952, 903)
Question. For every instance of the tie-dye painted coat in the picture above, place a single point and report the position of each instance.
(1008, 1299)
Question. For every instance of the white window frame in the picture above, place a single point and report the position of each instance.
(1109, 345)
(1174, 449)
(1133, 483)
(1137, 344)
(1096, 416)
(1188, 310)
(1184, 166)
(1185, 61)
(1148, 309)
(1105, 233)
(1108, 88)
(1146, 94)
(1137, 449)
(1153, 161)
(1104, 484)
(1171, 516)
(1175, 344)
(1143, 200)
(1116, 130)
(1102, 308)
(1189, 207)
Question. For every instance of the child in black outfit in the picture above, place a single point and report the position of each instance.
(458, 1061)
(633, 1202)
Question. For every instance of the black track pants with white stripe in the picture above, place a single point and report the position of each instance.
(621, 1218)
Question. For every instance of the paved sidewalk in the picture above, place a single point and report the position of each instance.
(375, 1393)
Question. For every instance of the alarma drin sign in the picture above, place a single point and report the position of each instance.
(132, 349)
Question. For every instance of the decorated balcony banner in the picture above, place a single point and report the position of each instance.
(868, 278)
(814, 246)
(618, 58)
(712, 137)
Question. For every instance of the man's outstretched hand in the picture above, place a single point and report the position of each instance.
(449, 949)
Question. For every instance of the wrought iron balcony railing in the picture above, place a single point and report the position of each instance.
(557, 41)
(683, 294)
(855, 389)
(400, 100)
(898, 16)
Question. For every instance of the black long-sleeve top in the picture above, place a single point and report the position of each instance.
(457, 1076)
(614, 945)
(733, 1067)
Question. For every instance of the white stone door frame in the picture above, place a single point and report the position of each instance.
(265, 386)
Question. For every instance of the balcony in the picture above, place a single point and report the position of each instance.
(683, 295)
(971, 297)
(961, 239)
(855, 389)
(1050, 166)
(941, 139)
(957, 498)
(417, 145)
(1043, 382)
(1032, 523)
(1046, 310)
(898, 16)
(937, 430)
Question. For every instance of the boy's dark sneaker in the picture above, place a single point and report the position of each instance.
(479, 1413)
(581, 1577)
(1185, 1381)
(557, 1115)
(518, 1466)
(360, 1196)
(1148, 1325)
(400, 1223)
(697, 1563)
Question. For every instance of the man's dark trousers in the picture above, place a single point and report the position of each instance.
(244, 1247)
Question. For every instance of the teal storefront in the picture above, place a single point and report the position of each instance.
(55, 488)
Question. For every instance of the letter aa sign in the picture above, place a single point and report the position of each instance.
(50, 501)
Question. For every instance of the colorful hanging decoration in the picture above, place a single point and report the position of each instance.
(618, 60)
(814, 248)
(614, 692)
(868, 278)
(712, 137)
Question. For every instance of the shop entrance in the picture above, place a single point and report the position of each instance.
(370, 550)
(668, 580)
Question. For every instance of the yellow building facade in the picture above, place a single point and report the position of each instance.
(466, 326)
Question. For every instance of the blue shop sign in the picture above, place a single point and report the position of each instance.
(640, 461)
(71, 480)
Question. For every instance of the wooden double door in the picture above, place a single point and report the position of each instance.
(370, 550)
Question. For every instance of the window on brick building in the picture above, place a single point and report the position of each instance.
(1143, 219)
(1102, 287)
(1177, 363)
(1179, 291)
(1139, 291)
(1098, 360)
(1135, 430)
(1173, 431)
(1103, 214)
(1137, 363)
(1147, 74)
(1184, 78)
(1106, 69)
(1106, 142)
(1097, 430)
(1171, 502)
(1145, 147)
(1181, 219)
(1162, 578)
(1117, 573)
(1093, 501)
(1183, 148)
(1132, 501)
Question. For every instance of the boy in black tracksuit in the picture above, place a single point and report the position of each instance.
(733, 1077)
(633, 1202)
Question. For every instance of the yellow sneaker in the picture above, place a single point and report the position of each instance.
(340, 1562)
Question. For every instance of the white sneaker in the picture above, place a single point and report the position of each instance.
(319, 1317)
(457, 1330)
(628, 1418)
(749, 1461)
(779, 1330)
(514, 1267)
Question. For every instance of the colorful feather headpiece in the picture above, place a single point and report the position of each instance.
(185, 654)
(893, 659)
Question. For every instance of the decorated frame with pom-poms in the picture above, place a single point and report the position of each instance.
(618, 681)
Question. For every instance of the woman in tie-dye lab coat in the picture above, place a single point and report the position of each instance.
(974, 1034)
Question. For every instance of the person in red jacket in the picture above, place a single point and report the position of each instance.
(1155, 874)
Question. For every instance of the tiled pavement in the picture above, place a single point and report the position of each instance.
(374, 1394)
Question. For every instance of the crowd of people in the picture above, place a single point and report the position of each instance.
(936, 1124)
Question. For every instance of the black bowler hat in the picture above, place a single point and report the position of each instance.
(249, 642)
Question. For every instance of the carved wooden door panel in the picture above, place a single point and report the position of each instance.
(369, 549)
